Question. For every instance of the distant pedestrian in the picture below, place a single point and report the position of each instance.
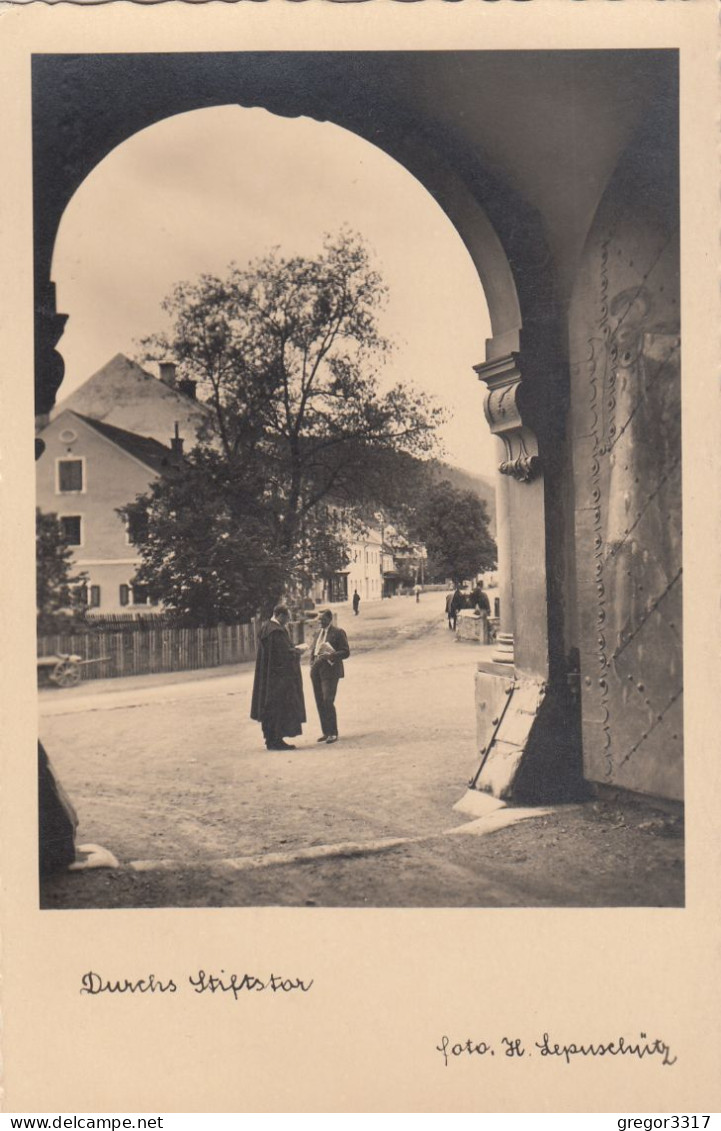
(278, 703)
(356, 601)
(455, 602)
(417, 591)
(449, 609)
(330, 649)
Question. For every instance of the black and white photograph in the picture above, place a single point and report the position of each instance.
(358, 479)
(360, 743)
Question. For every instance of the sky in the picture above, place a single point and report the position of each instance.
(197, 191)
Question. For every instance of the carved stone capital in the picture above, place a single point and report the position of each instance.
(49, 364)
(503, 407)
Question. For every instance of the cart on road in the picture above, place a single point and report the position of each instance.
(64, 668)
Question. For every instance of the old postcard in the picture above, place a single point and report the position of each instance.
(360, 391)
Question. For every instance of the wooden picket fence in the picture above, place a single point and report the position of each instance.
(148, 650)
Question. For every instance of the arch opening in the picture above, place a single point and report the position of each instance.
(200, 190)
(105, 119)
(208, 187)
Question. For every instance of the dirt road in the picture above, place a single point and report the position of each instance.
(173, 773)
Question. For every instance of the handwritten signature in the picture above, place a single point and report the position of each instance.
(514, 1047)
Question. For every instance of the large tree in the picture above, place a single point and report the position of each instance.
(60, 593)
(207, 541)
(453, 524)
(288, 355)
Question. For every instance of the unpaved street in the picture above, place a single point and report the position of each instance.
(180, 771)
(171, 771)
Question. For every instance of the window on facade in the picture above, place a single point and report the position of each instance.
(140, 595)
(70, 475)
(71, 526)
(94, 596)
(124, 594)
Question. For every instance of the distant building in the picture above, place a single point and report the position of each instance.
(411, 561)
(374, 569)
(364, 571)
(391, 576)
(87, 470)
(365, 567)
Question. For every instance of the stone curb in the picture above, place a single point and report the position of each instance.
(273, 859)
(480, 827)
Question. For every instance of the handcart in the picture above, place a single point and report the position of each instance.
(64, 668)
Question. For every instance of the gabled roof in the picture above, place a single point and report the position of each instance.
(128, 397)
(143, 448)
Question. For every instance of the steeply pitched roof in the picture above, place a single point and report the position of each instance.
(126, 396)
(144, 448)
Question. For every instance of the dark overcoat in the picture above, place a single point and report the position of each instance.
(278, 685)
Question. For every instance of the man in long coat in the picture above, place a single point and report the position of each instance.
(278, 703)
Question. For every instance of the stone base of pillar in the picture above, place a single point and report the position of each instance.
(528, 739)
(503, 651)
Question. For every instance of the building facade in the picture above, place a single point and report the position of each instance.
(87, 470)
(365, 568)
(363, 573)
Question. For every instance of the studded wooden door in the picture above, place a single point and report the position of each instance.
(626, 420)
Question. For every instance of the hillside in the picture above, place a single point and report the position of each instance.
(466, 481)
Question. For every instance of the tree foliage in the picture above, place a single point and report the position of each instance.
(59, 592)
(453, 525)
(207, 542)
(288, 355)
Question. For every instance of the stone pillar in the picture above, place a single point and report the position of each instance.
(528, 737)
(503, 652)
(519, 462)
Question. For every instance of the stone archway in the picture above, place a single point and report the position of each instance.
(84, 106)
(488, 134)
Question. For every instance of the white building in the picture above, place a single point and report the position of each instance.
(363, 573)
(365, 568)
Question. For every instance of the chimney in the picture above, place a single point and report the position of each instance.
(167, 373)
(188, 387)
(176, 445)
